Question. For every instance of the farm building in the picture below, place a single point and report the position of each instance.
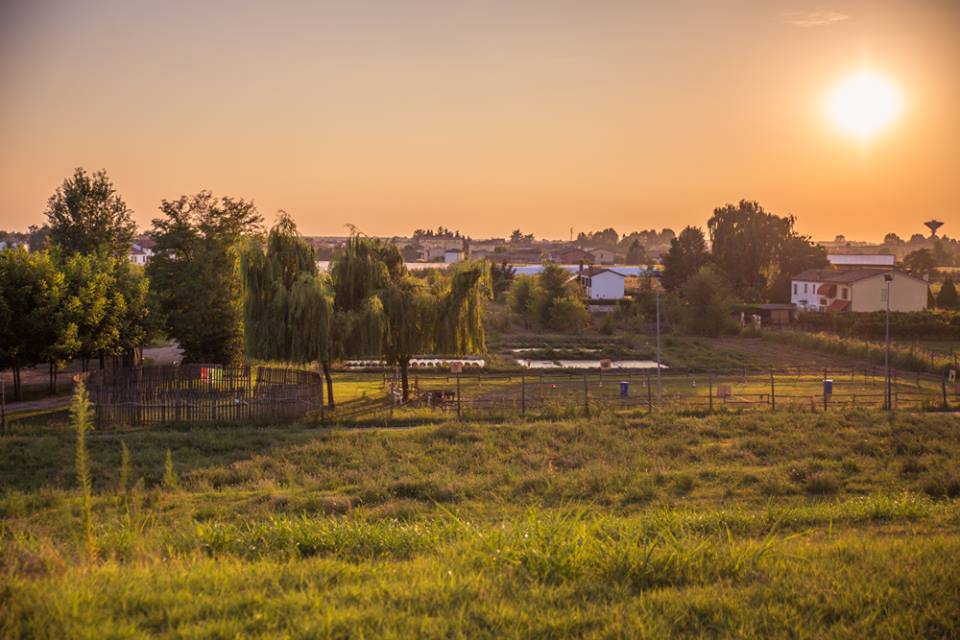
(857, 290)
(453, 255)
(602, 256)
(601, 284)
(861, 260)
(572, 255)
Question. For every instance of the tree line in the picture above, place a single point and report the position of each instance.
(221, 287)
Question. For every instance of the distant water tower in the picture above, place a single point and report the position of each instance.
(933, 225)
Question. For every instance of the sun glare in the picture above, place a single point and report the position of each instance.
(863, 104)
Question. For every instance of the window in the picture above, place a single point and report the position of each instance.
(844, 293)
(804, 287)
(795, 287)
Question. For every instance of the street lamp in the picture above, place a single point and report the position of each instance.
(887, 278)
(658, 344)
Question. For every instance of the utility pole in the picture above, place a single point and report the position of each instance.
(888, 278)
(658, 346)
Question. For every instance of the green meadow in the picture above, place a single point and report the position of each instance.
(759, 525)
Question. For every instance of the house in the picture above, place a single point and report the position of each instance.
(572, 255)
(141, 251)
(602, 256)
(862, 289)
(452, 255)
(601, 284)
(9, 243)
(861, 260)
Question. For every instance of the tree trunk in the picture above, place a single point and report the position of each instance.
(329, 379)
(404, 379)
(53, 378)
(17, 390)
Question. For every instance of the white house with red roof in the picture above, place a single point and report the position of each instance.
(838, 290)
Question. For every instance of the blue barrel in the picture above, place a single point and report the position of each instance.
(624, 388)
(827, 387)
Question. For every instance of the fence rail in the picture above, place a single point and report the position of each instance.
(202, 393)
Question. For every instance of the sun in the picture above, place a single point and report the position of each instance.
(863, 104)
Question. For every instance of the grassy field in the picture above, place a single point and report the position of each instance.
(758, 525)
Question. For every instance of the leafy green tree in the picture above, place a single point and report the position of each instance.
(138, 322)
(31, 292)
(409, 319)
(288, 306)
(920, 263)
(706, 303)
(87, 215)
(687, 255)
(521, 293)
(758, 251)
(636, 254)
(195, 276)
(557, 302)
(947, 296)
(94, 304)
(502, 276)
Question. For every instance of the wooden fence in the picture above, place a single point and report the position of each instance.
(202, 393)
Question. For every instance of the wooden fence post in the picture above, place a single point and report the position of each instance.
(943, 388)
(586, 397)
(710, 394)
(773, 393)
(649, 397)
(459, 410)
(523, 394)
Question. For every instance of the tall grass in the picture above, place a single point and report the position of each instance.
(82, 421)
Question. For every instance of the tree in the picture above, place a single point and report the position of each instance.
(947, 296)
(31, 292)
(797, 254)
(94, 304)
(194, 273)
(502, 276)
(409, 313)
(758, 251)
(705, 303)
(556, 303)
(288, 306)
(87, 215)
(636, 254)
(920, 263)
(687, 255)
(518, 237)
(892, 239)
(521, 293)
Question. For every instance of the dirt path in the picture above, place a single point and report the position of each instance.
(166, 354)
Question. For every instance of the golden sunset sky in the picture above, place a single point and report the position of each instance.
(485, 116)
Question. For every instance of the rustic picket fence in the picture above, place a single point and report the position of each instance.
(202, 393)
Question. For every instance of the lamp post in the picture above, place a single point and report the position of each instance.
(658, 344)
(887, 278)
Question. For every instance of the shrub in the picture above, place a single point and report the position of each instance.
(821, 483)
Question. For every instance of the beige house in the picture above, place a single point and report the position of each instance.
(857, 290)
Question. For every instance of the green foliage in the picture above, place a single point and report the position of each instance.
(920, 263)
(947, 296)
(123, 482)
(195, 276)
(636, 254)
(521, 294)
(502, 276)
(687, 255)
(568, 314)
(706, 303)
(904, 325)
(33, 325)
(87, 215)
(82, 420)
(758, 251)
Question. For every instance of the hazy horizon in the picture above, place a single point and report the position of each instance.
(546, 116)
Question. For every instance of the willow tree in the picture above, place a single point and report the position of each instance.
(288, 305)
(459, 327)
(410, 314)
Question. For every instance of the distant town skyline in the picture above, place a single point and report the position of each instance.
(543, 116)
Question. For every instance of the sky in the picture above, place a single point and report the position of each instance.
(485, 116)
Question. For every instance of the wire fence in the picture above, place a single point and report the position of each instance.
(480, 395)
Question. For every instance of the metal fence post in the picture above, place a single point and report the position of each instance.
(649, 397)
(459, 410)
